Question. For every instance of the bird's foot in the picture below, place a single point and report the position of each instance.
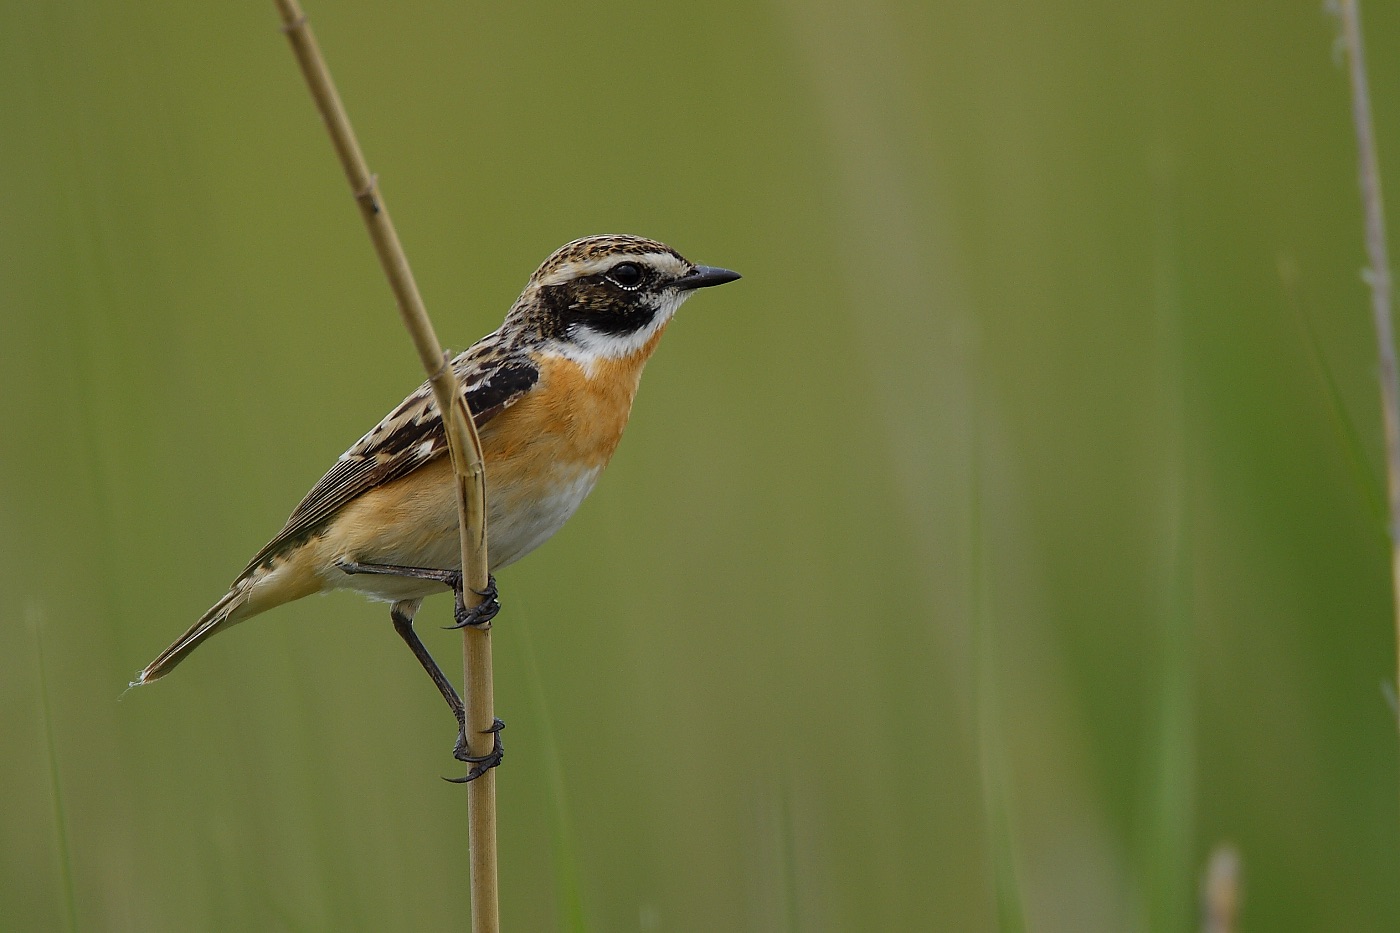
(480, 615)
(480, 764)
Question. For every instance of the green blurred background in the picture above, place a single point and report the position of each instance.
(1005, 541)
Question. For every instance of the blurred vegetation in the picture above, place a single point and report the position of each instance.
(1002, 544)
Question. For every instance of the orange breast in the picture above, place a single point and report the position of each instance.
(573, 418)
(543, 455)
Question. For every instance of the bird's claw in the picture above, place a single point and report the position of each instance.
(480, 615)
(480, 764)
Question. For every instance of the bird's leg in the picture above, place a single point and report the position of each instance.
(402, 613)
(478, 616)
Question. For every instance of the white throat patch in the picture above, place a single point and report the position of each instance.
(587, 347)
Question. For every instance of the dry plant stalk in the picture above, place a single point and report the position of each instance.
(1220, 891)
(1378, 277)
(463, 445)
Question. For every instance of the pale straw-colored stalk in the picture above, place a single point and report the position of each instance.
(462, 442)
(1220, 891)
(1378, 278)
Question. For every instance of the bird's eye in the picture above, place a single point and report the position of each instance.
(626, 274)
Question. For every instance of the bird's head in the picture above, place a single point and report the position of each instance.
(608, 296)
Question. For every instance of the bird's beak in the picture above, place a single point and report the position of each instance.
(704, 277)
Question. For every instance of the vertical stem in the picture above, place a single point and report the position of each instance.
(60, 818)
(991, 755)
(1220, 891)
(481, 793)
(463, 445)
(1378, 277)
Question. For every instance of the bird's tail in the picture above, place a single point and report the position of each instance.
(223, 614)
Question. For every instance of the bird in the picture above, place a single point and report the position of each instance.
(550, 392)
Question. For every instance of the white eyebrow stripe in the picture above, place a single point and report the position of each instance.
(575, 269)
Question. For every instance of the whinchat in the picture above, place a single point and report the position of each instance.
(550, 392)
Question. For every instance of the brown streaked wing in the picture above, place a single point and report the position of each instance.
(408, 438)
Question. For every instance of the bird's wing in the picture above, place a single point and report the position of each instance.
(409, 437)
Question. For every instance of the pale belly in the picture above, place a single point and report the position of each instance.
(519, 523)
(418, 528)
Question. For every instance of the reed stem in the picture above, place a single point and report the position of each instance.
(463, 445)
(1378, 278)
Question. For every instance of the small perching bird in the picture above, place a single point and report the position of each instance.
(550, 392)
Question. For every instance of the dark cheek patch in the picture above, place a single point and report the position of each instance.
(619, 321)
(597, 306)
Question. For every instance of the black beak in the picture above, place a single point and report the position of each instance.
(704, 277)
